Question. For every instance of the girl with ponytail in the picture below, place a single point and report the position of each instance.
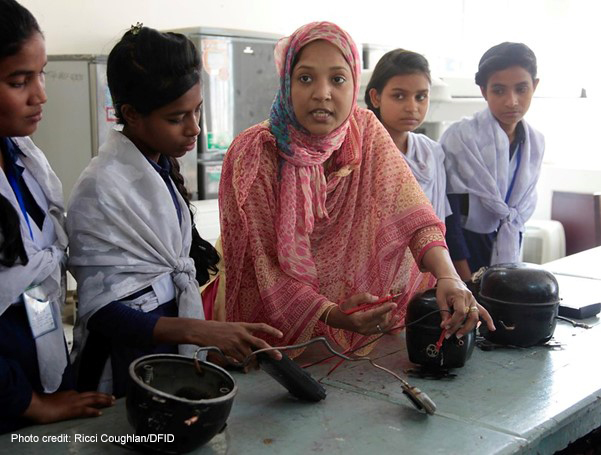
(135, 252)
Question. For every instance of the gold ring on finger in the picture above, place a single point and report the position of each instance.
(473, 309)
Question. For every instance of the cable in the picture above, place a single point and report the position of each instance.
(397, 327)
(419, 399)
(574, 323)
(368, 306)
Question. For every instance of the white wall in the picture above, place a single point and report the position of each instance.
(555, 178)
(451, 33)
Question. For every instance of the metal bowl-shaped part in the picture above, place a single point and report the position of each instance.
(423, 332)
(168, 395)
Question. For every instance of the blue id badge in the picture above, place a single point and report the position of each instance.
(39, 312)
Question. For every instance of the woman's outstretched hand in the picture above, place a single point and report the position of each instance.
(453, 295)
(378, 319)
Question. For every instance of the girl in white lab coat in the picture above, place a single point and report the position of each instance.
(36, 382)
(398, 93)
(493, 162)
(135, 252)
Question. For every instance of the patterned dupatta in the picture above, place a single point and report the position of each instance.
(303, 182)
(295, 238)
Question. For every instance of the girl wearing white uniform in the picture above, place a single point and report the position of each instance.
(398, 93)
(135, 252)
(493, 163)
(36, 382)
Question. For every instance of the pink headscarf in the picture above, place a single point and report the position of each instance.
(303, 183)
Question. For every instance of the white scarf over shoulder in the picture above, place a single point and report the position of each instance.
(125, 235)
(425, 157)
(477, 163)
(46, 266)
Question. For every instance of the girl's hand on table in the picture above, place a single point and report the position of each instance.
(69, 404)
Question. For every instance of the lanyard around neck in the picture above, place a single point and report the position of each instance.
(517, 168)
(17, 190)
(13, 180)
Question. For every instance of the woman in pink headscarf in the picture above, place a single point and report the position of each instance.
(320, 214)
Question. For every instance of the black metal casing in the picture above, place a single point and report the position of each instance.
(422, 336)
(523, 301)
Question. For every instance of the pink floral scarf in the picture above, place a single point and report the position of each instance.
(303, 183)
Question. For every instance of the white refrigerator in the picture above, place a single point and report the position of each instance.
(77, 115)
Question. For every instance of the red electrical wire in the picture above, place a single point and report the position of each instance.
(397, 327)
(368, 306)
(441, 339)
(352, 350)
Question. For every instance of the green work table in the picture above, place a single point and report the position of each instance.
(528, 401)
(584, 264)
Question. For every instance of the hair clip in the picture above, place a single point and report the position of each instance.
(135, 29)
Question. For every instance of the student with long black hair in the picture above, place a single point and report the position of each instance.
(36, 381)
(135, 252)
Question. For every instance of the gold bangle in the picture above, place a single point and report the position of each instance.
(459, 280)
(456, 278)
(327, 312)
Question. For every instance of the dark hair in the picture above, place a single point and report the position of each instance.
(148, 69)
(11, 243)
(394, 63)
(503, 56)
(205, 256)
(17, 25)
